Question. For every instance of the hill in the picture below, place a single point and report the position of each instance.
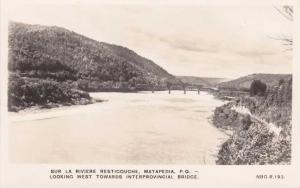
(53, 66)
(59, 54)
(204, 81)
(243, 83)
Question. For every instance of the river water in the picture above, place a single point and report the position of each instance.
(128, 128)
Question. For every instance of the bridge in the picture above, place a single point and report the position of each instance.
(184, 88)
(194, 88)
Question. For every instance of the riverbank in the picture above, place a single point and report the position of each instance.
(26, 93)
(261, 128)
(56, 106)
(252, 142)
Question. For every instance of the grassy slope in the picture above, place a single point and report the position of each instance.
(244, 83)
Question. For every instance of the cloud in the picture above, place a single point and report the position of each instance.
(193, 46)
(197, 45)
(203, 46)
(255, 53)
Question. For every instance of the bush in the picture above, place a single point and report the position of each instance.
(254, 142)
(255, 146)
(246, 122)
(27, 92)
(257, 88)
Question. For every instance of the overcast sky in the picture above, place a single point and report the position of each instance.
(195, 40)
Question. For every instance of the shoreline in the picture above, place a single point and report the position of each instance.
(93, 100)
(54, 106)
(248, 131)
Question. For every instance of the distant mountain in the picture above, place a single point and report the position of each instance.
(245, 82)
(204, 81)
(59, 54)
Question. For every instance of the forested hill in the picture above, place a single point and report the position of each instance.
(59, 54)
(52, 66)
(204, 81)
(243, 83)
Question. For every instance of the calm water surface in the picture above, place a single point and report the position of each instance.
(129, 128)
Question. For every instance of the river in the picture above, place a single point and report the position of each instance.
(128, 128)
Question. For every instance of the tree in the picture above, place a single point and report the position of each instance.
(281, 82)
(288, 13)
(257, 88)
(83, 84)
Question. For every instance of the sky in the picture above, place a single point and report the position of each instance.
(185, 39)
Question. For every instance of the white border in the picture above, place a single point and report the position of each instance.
(36, 176)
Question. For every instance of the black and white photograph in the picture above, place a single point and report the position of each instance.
(149, 84)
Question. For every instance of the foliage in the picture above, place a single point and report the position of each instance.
(257, 87)
(244, 83)
(275, 106)
(27, 92)
(51, 65)
(253, 141)
(255, 145)
(226, 118)
(56, 53)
